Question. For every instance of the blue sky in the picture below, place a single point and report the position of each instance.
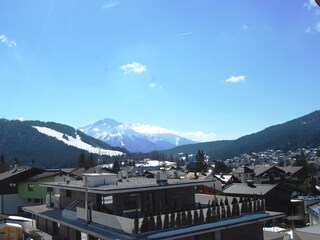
(211, 69)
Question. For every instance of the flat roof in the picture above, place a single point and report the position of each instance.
(133, 184)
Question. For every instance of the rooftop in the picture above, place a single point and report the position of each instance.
(244, 189)
(133, 184)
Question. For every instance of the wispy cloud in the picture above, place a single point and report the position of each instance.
(154, 85)
(313, 6)
(183, 34)
(200, 136)
(133, 67)
(8, 42)
(236, 79)
(109, 5)
(21, 119)
(310, 4)
(244, 27)
(149, 129)
(315, 28)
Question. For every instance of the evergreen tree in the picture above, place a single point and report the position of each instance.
(89, 162)
(115, 166)
(172, 220)
(184, 220)
(189, 217)
(159, 222)
(263, 206)
(222, 209)
(209, 215)
(82, 160)
(201, 216)
(218, 211)
(259, 206)
(195, 217)
(178, 219)
(166, 223)
(250, 208)
(144, 224)
(136, 223)
(152, 224)
(200, 165)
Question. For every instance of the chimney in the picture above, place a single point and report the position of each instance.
(250, 183)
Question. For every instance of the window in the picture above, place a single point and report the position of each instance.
(30, 187)
(68, 193)
(131, 202)
(12, 184)
(106, 200)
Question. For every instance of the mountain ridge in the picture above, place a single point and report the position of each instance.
(126, 135)
(300, 132)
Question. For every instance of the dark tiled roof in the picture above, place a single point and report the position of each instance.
(245, 189)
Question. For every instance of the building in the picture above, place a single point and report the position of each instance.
(277, 198)
(10, 203)
(105, 207)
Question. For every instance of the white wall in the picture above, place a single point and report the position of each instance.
(9, 203)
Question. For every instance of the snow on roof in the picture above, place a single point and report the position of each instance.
(76, 142)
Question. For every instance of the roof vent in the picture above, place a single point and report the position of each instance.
(250, 183)
(161, 177)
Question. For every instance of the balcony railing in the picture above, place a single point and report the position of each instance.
(212, 213)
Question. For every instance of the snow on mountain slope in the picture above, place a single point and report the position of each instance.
(76, 142)
(134, 137)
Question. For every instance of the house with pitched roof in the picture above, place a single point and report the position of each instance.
(10, 202)
(277, 198)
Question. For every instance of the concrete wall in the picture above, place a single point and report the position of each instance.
(10, 203)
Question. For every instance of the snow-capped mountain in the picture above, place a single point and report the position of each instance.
(134, 137)
(76, 142)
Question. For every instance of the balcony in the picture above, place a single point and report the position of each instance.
(213, 213)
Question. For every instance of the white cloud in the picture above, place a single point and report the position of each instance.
(110, 4)
(236, 79)
(244, 27)
(8, 42)
(182, 34)
(133, 67)
(21, 119)
(148, 129)
(315, 28)
(310, 4)
(154, 85)
(200, 136)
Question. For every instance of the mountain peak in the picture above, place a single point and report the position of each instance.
(134, 137)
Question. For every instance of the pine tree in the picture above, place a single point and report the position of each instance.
(115, 166)
(184, 220)
(250, 206)
(159, 222)
(166, 222)
(82, 160)
(89, 162)
(201, 216)
(136, 223)
(172, 220)
(195, 217)
(152, 224)
(189, 217)
(144, 224)
(222, 209)
(209, 214)
(178, 219)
